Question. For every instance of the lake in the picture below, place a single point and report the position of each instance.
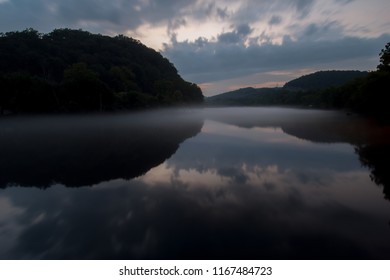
(213, 183)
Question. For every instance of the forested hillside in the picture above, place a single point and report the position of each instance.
(73, 70)
(323, 79)
(299, 91)
(363, 92)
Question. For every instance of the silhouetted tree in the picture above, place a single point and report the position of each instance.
(384, 59)
(375, 158)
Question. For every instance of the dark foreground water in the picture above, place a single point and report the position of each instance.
(226, 183)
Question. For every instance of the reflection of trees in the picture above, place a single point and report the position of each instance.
(318, 126)
(79, 151)
(371, 141)
(376, 158)
(370, 138)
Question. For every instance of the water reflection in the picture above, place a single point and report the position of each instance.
(376, 158)
(86, 150)
(245, 190)
(320, 126)
(371, 140)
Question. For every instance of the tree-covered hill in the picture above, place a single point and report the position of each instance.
(295, 92)
(363, 92)
(248, 97)
(74, 70)
(323, 79)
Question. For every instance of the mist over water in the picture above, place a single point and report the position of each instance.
(88, 149)
(221, 183)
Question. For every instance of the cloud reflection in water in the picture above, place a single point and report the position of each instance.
(231, 192)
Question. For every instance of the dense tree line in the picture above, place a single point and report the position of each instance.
(74, 70)
(366, 95)
(366, 92)
(323, 79)
(316, 89)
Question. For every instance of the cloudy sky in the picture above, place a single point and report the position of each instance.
(224, 45)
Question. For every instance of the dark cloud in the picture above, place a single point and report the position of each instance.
(244, 29)
(75, 10)
(275, 20)
(229, 37)
(175, 24)
(303, 7)
(20, 14)
(254, 10)
(327, 31)
(311, 29)
(117, 16)
(219, 60)
(222, 13)
(239, 34)
(45, 15)
(155, 11)
(201, 42)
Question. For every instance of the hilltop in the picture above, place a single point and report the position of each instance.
(324, 79)
(362, 92)
(74, 70)
(290, 94)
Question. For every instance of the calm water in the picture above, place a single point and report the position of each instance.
(226, 183)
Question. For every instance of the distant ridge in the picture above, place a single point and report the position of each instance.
(288, 93)
(324, 79)
(243, 96)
